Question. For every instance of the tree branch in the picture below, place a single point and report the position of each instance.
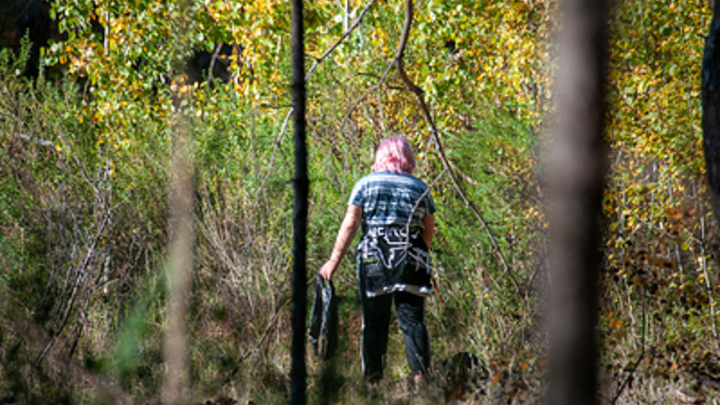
(39, 141)
(435, 133)
(364, 96)
(342, 38)
(71, 300)
(642, 353)
(307, 75)
(212, 64)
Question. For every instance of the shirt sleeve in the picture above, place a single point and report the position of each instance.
(430, 203)
(356, 196)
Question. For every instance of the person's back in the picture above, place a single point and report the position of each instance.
(389, 198)
(396, 211)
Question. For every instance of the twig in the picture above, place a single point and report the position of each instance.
(307, 75)
(71, 300)
(212, 63)
(407, 237)
(275, 149)
(70, 368)
(399, 54)
(426, 112)
(342, 38)
(39, 141)
(642, 352)
(417, 203)
(389, 86)
(367, 93)
(708, 284)
(436, 288)
(265, 334)
(685, 398)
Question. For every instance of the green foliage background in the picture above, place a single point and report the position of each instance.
(85, 171)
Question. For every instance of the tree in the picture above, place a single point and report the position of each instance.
(575, 176)
(302, 185)
(711, 107)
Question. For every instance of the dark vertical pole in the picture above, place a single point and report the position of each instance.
(574, 174)
(297, 371)
(711, 108)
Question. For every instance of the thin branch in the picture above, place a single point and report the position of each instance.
(367, 93)
(212, 63)
(307, 76)
(39, 141)
(428, 117)
(422, 196)
(415, 207)
(70, 367)
(71, 300)
(275, 149)
(436, 288)
(342, 38)
(642, 352)
(264, 336)
(399, 54)
(708, 282)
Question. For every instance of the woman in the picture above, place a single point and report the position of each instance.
(397, 214)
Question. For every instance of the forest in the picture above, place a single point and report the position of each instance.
(96, 97)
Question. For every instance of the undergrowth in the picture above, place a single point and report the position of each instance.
(83, 244)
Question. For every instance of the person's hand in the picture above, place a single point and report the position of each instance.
(327, 270)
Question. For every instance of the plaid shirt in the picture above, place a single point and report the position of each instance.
(388, 198)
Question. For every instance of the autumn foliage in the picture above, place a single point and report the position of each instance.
(84, 172)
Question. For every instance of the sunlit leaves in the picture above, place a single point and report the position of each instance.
(654, 114)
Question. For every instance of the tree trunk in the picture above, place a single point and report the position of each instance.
(711, 108)
(299, 313)
(175, 385)
(574, 174)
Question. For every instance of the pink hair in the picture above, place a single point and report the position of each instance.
(395, 155)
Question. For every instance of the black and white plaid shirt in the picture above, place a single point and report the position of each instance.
(389, 198)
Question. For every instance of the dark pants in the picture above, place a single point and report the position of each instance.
(410, 311)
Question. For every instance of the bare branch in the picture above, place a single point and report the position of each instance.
(275, 149)
(367, 93)
(642, 352)
(212, 63)
(342, 38)
(435, 133)
(71, 301)
(271, 324)
(307, 75)
(39, 141)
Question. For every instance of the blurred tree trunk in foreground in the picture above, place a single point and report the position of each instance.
(711, 108)
(574, 174)
(176, 384)
(175, 352)
(302, 185)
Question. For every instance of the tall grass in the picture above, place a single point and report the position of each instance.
(83, 217)
(84, 233)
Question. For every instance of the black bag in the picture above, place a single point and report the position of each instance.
(324, 319)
